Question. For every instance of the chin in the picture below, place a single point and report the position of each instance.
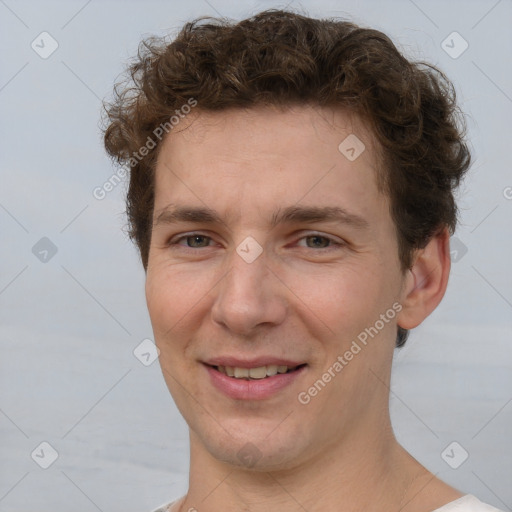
(260, 449)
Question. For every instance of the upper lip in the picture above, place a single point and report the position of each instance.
(252, 363)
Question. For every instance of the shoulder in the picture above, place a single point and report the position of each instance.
(467, 503)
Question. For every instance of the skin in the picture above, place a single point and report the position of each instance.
(303, 298)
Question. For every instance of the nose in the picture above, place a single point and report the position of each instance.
(249, 296)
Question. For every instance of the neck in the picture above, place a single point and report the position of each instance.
(367, 471)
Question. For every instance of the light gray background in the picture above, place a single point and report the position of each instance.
(68, 327)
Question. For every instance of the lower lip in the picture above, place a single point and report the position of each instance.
(258, 389)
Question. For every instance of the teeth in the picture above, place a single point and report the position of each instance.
(253, 373)
(258, 373)
(271, 369)
(241, 372)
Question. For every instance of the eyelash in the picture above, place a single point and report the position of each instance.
(334, 243)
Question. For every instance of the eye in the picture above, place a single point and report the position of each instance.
(318, 241)
(193, 241)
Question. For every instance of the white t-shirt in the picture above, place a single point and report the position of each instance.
(467, 503)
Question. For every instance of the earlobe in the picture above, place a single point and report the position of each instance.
(426, 281)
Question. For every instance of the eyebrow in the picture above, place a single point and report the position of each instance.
(288, 215)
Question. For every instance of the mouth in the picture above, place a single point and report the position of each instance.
(256, 382)
(257, 373)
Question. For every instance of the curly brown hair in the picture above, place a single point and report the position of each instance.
(282, 58)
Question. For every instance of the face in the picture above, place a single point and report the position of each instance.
(273, 247)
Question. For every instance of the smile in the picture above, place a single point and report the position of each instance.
(261, 372)
(258, 383)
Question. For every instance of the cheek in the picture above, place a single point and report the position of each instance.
(162, 300)
(343, 298)
(165, 311)
(175, 301)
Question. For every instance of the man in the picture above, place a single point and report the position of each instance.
(291, 194)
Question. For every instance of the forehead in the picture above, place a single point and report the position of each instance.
(252, 157)
(294, 125)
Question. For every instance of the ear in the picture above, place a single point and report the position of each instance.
(426, 281)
